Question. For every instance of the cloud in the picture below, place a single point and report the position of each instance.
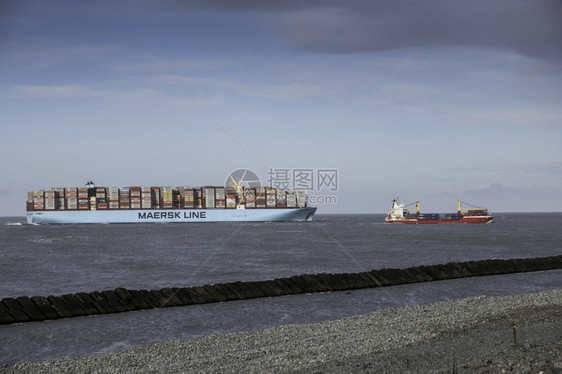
(36, 53)
(134, 98)
(52, 92)
(524, 27)
(529, 28)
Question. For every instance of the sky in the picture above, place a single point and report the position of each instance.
(435, 100)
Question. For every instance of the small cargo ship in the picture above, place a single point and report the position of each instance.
(398, 214)
(135, 204)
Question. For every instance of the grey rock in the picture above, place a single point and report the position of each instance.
(472, 335)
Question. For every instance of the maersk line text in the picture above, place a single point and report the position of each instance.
(171, 215)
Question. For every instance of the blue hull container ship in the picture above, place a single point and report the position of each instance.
(91, 204)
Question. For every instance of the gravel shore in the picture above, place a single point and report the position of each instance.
(459, 336)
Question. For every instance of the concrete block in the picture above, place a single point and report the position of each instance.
(74, 305)
(60, 306)
(87, 303)
(5, 316)
(31, 309)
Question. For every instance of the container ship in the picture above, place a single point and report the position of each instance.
(136, 204)
(398, 214)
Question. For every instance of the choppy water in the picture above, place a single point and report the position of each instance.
(59, 259)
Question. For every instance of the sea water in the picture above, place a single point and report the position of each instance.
(47, 260)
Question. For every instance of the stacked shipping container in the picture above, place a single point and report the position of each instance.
(270, 197)
(135, 197)
(146, 198)
(260, 197)
(301, 199)
(291, 199)
(38, 200)
(113, 197)
(83, 199)
(186, 197)
(250, 197)
(59, 198)
(101, 198)
(198, 198)
(230, 198)
(29, 202)
(208, 197)
(281, 198)
(50, 200)
(71, 198)
(167, 197)
(220, 197)
(155, 197)
(124, 198)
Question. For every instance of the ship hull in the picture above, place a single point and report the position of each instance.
(469, 219)
(170, 216)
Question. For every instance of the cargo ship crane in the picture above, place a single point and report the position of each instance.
(237, 186)
(475, 209)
